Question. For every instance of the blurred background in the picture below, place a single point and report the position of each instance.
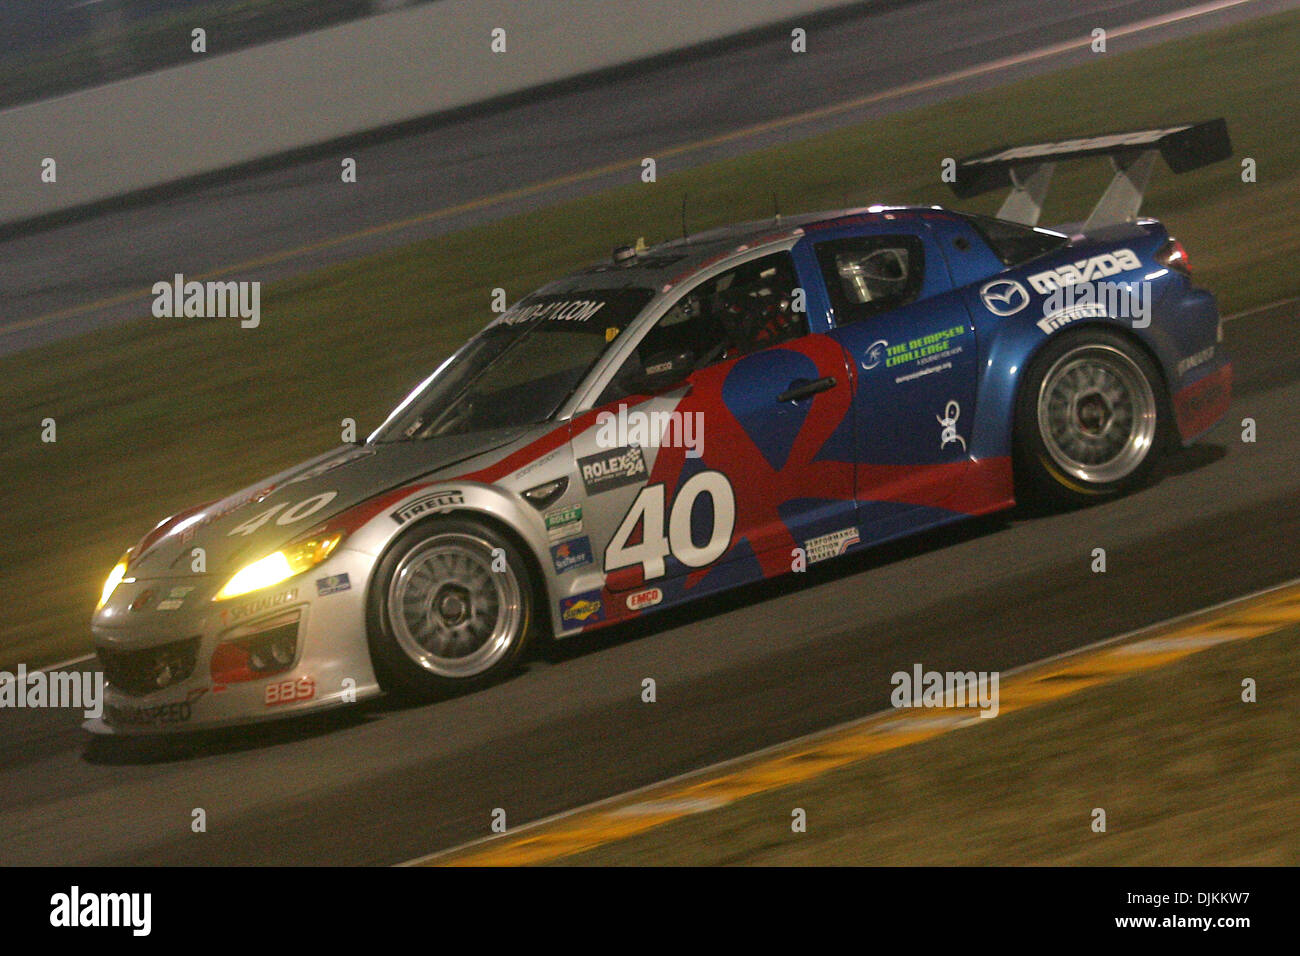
(55, 46)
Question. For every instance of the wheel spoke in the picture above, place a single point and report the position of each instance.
(1097, 414)
(449, 611)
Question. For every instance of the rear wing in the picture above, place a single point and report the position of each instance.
(1028, 169)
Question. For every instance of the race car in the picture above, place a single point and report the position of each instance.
(683, 419)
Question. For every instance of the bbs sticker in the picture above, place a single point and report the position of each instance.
(289, 691)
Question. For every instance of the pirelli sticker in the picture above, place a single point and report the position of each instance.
(428, 504)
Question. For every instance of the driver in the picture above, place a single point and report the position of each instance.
(758, 314)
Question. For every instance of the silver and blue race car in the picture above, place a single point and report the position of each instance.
(680, 420)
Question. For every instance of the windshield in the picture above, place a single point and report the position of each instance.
(520, 369)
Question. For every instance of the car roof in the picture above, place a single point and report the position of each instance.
(675, 261)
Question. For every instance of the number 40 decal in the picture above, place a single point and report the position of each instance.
(303, 509)
(649, 508)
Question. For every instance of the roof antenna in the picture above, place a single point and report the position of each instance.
(776, 208)
(685, 234)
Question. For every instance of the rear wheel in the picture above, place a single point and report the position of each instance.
(1089, 417)
(451, 608)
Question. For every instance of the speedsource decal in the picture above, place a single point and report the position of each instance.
(612, 469)
(263, 604)
(438, 501)
(582, 608)
(159, 715)
(571, 554)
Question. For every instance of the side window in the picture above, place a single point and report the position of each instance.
(867, 275)
(745, 309)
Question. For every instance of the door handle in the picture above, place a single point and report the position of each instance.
(798, 390)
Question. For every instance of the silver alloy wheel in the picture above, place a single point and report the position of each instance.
(450, 612)
(1097, 414)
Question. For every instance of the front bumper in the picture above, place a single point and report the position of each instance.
(176, 661)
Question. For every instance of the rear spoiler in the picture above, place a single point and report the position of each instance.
(1028, 169)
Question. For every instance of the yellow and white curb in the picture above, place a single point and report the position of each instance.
(796, 761)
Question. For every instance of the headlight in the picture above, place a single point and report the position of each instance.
(114, 579)
(280, 566)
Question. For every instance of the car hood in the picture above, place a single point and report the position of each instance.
(349, 475)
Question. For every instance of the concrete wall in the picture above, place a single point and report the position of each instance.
(223, 110)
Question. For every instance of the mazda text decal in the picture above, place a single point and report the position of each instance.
(1085, 270)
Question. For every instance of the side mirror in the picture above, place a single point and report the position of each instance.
(665, 369)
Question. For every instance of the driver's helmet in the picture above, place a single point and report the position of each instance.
(758, 313)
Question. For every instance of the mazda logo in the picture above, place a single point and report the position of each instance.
(1004, 297)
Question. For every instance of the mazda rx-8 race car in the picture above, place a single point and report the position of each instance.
(680, 420)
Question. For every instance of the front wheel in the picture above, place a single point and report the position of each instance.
(1089, 417)
(451, 609)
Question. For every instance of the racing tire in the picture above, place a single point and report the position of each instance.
(451, 608)
(1090, 417)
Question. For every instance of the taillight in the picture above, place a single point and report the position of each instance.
(1172, 255)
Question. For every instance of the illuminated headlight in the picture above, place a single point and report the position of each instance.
(114, 579)
(279, 566)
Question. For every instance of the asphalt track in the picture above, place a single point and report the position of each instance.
(491, 163)
(747, 670)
